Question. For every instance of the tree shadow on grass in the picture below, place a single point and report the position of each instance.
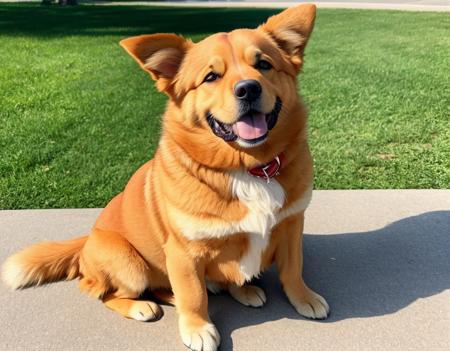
(361, 274)
(53, 21)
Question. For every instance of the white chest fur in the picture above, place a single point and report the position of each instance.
(262, 199)
(264, 202)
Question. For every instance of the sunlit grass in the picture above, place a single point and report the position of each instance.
(78, 117)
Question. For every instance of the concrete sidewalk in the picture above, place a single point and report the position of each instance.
(403, 5)
(381, 258)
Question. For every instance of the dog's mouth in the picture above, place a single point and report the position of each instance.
(251, 129)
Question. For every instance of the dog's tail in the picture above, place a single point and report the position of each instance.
(43, 263)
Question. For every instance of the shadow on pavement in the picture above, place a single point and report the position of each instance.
(361, 275)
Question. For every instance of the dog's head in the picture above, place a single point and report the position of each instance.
(234, 89)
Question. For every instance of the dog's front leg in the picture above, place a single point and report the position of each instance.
(187, 278)
(289, 261)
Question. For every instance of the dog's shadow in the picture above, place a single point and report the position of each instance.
(360, 274)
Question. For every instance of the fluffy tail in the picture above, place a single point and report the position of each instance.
(43, 263)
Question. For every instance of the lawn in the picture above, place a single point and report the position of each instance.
(78, 116)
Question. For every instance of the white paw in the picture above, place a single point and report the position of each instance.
(314, 306)
(205, 338)
(248, 295)
(145, 311)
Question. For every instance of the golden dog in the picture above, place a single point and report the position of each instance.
(222, 199)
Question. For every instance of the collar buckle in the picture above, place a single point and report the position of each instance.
(268, 170)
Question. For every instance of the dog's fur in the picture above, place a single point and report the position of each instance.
(193, 217)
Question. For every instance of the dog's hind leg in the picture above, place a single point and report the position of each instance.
(112, 270)
(128, 307)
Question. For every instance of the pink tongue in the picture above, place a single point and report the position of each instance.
(251, 126)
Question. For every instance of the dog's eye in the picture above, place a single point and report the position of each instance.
(211, 77)
(264, 65)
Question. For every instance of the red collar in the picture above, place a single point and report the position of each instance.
(268, 170)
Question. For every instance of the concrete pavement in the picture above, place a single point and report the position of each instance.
(381, 258)
(404, 5)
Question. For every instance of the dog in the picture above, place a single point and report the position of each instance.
(222, 199)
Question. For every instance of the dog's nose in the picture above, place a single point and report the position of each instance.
(248, 89)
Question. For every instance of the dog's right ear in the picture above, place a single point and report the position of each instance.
(158, 54)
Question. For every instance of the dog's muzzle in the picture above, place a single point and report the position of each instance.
(251, 129)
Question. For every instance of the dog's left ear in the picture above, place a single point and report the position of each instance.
(158, 54)
(291, 30)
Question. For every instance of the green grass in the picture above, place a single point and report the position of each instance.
(77, 116)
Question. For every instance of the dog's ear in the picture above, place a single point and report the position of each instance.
(158, 54)
(291, 30)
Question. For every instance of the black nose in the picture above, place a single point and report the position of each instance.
(248, 89)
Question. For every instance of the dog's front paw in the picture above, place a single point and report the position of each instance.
(310, 305)
(248, 295)
(204, 338)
